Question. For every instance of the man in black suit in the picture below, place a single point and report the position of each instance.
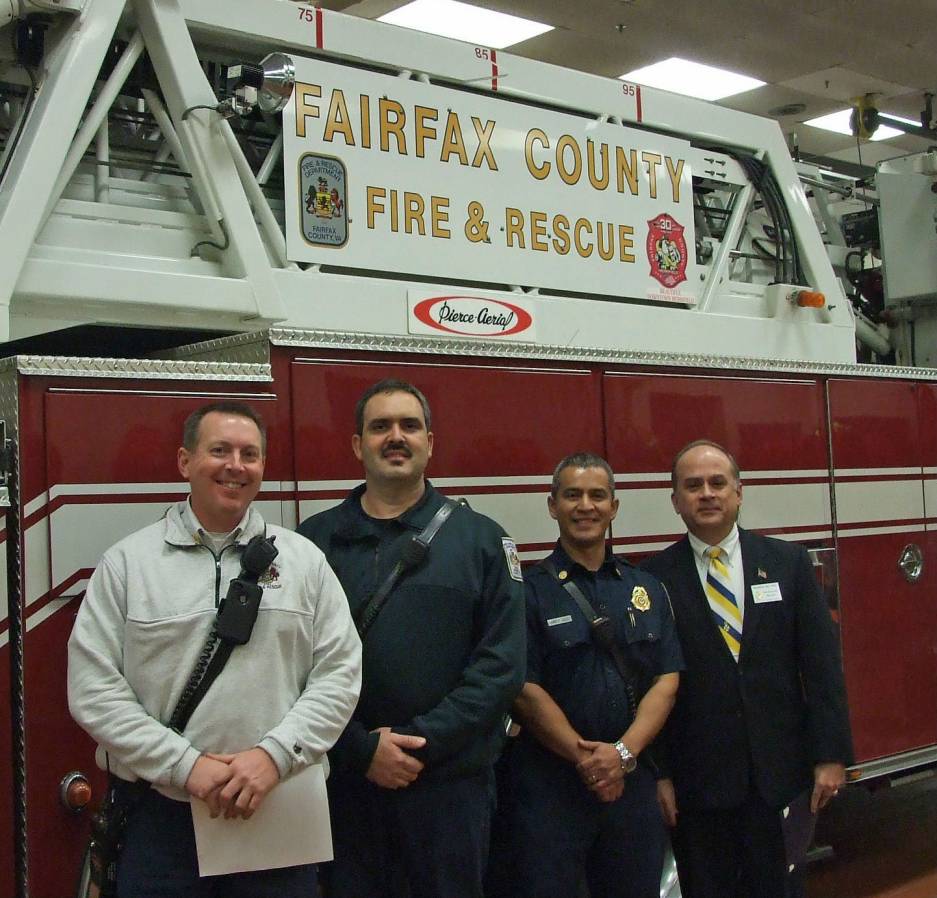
(760, 716)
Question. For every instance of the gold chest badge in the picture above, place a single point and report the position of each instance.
(640, 599)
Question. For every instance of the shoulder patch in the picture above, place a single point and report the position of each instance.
(510, 554)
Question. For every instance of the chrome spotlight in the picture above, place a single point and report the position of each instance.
(268, 85)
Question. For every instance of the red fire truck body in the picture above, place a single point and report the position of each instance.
(837, 462)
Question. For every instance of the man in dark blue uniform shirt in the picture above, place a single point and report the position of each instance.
(583, 805)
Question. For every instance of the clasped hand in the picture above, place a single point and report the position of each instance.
(235, 784)
(599, 767)
(392, 767)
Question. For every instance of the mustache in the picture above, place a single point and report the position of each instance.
(397, 447)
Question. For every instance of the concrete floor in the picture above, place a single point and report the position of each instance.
(884, 843)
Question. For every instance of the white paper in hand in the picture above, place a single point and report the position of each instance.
(290, 827)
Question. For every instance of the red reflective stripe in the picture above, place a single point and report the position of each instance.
(637, 98)
(319, 27)
(494, 69)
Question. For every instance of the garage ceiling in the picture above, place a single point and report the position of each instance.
(818, 53)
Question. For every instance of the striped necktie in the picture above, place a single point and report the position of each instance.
(722, 600)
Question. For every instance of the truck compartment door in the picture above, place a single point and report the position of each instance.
(889, 623)
(775, 428)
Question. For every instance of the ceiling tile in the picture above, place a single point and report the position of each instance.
(868, 154)
(843, 84)
(821, 53)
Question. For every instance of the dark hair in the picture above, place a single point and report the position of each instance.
(734, 464)
(582, 460)
(225, 407)
(389, 385)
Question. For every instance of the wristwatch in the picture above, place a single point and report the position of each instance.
(628, 760)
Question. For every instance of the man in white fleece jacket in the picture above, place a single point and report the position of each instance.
(278, 705)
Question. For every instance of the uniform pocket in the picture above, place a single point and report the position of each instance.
(643, 646)
(567, 631)
(646, 628)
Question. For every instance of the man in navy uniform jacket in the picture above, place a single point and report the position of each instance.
(412, 775)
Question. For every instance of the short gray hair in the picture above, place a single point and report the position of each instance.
(582, 460)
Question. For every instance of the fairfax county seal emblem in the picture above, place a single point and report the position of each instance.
(666, 250)
(510, 555)
(270, 578)
(323, 196)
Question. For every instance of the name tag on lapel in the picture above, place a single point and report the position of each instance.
(766, 592)
(556, 621)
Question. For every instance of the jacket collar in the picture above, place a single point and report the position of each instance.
(563, 562)
(354, 524)
(180, 529)
(729, 545)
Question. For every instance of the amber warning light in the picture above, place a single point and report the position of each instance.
(808, 299)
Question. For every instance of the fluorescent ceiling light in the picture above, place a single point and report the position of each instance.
(465, 22)
(692, 79)
(838, 122)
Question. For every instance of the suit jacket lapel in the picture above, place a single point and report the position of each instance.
(751, 563)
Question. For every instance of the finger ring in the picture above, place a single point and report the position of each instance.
(593, 779)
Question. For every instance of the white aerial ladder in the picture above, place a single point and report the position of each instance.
(127, 200)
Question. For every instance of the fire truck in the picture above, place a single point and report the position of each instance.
(560, 261)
